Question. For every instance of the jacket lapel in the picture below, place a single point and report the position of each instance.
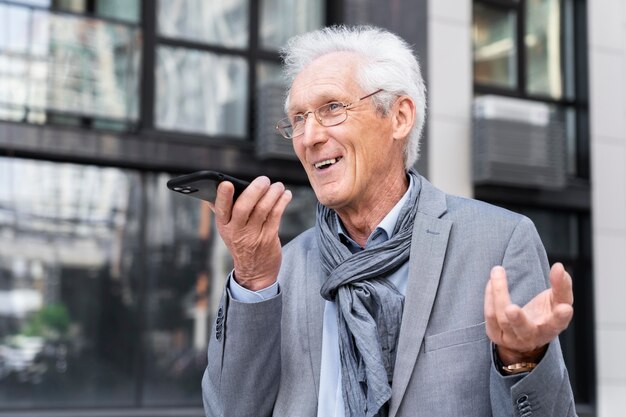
(428, 249)
(315, 313)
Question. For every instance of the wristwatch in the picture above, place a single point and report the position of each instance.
(514, 368)
(518, 368)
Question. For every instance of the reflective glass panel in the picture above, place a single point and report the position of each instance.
(115, 9)
(282, 19)
(269, 73)
(119, 9)
(68, 285)
(495, 55)
(188, 264)
(40, 3)
(544, 74)
(61, 64)
(223, 22)
(76, 6)
(201, 92)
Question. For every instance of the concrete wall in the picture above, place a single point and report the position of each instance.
(607, 88)
(450, 94)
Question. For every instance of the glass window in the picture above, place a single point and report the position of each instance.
(201, 92)
(119, 9)
(106, 301)
(571, 164)
(282, 19)
(40, 3)
(223, 22)
(58, 63)
(269, 73)
(115, 9)
(188, 265)
(544, 75)
(94, 68)
(76, 6)
(68, 285)
(495, 56)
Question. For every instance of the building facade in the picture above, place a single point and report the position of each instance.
(109, 281)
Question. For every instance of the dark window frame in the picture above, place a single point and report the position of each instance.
(580, 104)
(574, 199)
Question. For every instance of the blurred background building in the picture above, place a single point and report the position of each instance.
(109, 281)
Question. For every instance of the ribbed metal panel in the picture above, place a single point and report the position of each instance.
(269, 109)
(518, 142)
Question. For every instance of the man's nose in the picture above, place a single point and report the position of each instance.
(314, 132)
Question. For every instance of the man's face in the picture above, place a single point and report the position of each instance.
(348, 165)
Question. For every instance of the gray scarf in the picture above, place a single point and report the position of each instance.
(369, 307)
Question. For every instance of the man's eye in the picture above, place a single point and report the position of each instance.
(334, 106)
(297, 119)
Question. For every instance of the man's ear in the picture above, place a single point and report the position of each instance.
(403, 113)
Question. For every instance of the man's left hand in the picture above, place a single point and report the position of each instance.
(521, 334)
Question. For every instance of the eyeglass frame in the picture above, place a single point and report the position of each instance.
(345, 107)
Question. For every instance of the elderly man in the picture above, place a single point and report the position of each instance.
(402, 300)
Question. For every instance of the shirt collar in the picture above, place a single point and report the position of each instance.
(384, 230)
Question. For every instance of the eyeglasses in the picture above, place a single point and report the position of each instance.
(330, 114)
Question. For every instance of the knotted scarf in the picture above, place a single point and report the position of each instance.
(369, 307)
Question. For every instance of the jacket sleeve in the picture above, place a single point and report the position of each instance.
(545, 391)
(243, 371)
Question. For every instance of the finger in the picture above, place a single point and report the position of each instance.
(265, 205)
(522, 327)
(491, 322)
(561, 283)
(273, 220)
(248, 199)
(224, 202)
(562, 316)
(501, 298)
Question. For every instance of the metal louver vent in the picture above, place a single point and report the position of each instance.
(518, 142)
(269, 109)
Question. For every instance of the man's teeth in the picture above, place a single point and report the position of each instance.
(323, 164)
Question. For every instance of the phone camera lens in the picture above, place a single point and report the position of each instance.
(177, 189)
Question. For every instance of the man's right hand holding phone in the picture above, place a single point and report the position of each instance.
(249, 228)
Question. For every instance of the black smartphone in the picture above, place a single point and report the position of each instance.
(203, 184)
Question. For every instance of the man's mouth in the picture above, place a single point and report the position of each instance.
(326, 163)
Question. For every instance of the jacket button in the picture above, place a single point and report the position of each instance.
(220, 312)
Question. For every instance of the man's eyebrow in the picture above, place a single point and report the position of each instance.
(318, 101)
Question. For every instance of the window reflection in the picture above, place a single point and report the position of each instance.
(495, 55)
(544, 74)
(187, 268)
(282, 19)
(53, 63)
(223, 22)
(270, 73)
(188, 265)
(201, 92)
(68, 286)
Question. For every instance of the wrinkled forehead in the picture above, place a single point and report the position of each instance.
(330, 77)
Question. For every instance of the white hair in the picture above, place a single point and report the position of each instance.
(388, 64)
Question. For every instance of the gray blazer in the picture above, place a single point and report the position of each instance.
(264, 358)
